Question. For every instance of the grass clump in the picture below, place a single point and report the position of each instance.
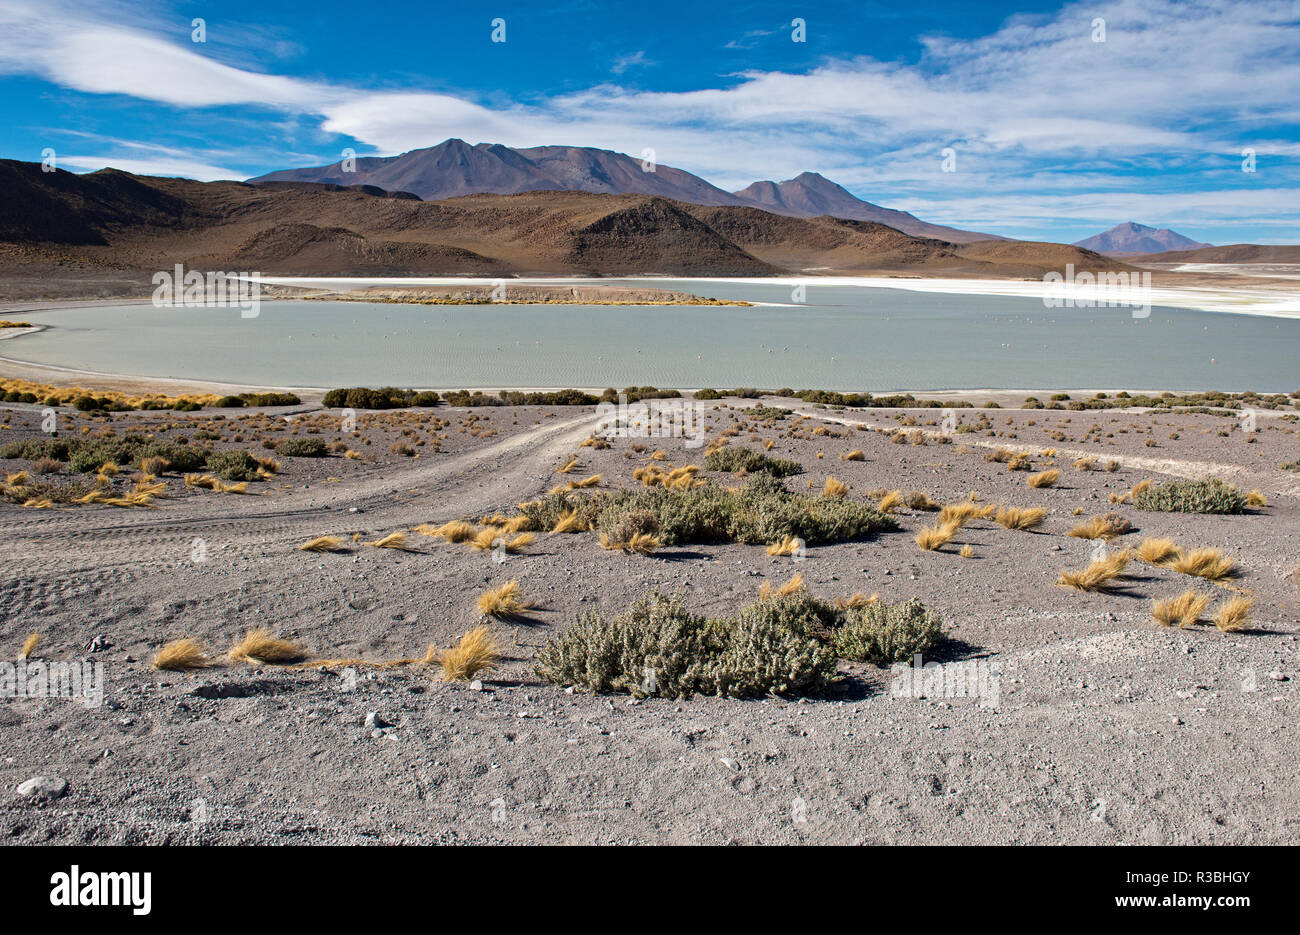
(1191, 496)
(932, 537)
(301, 448)
(259, 646)
(1107, 526)
(505, 602)
(186, 653)
(1210, 564)
(1183, 610)
(476, 652)
(321, 544)
(1014, 517)
(1158, 551)
(1234, 615)
(1101, 575)
(1044, 478)
(881, 633)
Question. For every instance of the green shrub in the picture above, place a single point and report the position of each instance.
(731, 459)
(658, 648)
(761, 512)
(179, 458)
(301, 447)
(425, 398)
(31, 449)
(1192, 496)
(707, 393)
(53, 401)
(270, 399)
(232, 465)
(85, 403)
(882, 634)
(187, 405)
(231, 402)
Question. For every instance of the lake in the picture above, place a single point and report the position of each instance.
(843, 338)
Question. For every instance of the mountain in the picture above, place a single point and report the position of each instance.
(105, 222)
(1286, 254)
(809, 195)
(454, 168)
(1131, 237)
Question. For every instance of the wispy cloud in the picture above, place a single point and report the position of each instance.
(1164, 105)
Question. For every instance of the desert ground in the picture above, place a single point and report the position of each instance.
(1108, 728)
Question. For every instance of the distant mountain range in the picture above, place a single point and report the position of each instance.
(1133, 238)
(111, 220)
(454, 168)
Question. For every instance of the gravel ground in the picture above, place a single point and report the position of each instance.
(1107, 729)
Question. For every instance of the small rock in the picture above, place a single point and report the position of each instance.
(476, 685)
(1278, 677)
(375, 722)
(42, 787)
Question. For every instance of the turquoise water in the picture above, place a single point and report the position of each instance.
(844, 338)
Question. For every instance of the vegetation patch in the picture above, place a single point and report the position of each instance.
(1191, 496)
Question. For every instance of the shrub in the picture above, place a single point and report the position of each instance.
(85, 403)
(731, 460)
(880, 633)
(179, 458)
(657, 647)
(230, 402)
(233, 465)
(1192, 496)
(270, 399)
(425, 398)
(301, 447)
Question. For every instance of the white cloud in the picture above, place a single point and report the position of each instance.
(1175, 86)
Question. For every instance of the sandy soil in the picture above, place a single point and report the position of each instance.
(1108, 729)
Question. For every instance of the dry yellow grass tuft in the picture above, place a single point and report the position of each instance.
(208, 481)
(567, 467)
(890, 501)
(476, 652)
(855, 601)
(570, 522)
(394, 540)
(1044, 478)
(321, 544)
(642, 543)
(186, 653)
(504, 602)
(1256, 499)
(793, 586)
(786, 546)
(930, 538)
(39, 503)
(454, 531)
(834, 488)
(259, 646)
(1157, 551)
(108, 469)
(592, 481)
(1087, 463)
(17, 479)
(1183, 610)
(1210, 564)
(1014, 517)
(856, 454)
(1108, 526)
(485, 538)
(352, 455)
(1234, 615)
(967, 551)
(659, 456)
(959, 514)
(1099, 576)
(29, 646)
(520, 542)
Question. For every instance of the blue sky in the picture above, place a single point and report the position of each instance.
(1056, 135)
